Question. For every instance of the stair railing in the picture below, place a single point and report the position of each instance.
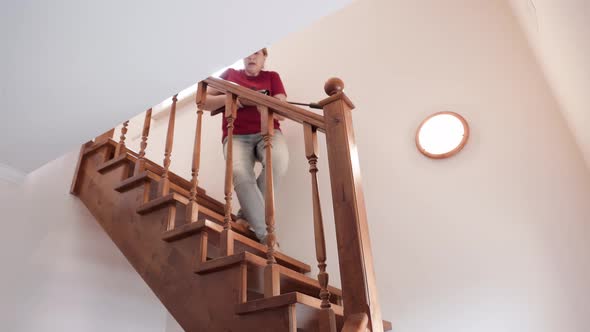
(359, 291)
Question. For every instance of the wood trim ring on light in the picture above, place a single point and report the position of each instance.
(452, 152)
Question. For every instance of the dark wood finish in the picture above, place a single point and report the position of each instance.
(192, 210)
(267, 131)
(214, 230)
(230, 267)
(140, 164)
(227, 242)
(74, 186)
(311, 152)
(333, 86)
(356, 323)
(164, 186)
(281, 300)
(161, 202)
(106, 166)
(287, 110)
(107, 135)
(352, 232)
(201, 255)
(197, 302)
(272, 280)
(327, 320)
(231, 111)
(121, 145)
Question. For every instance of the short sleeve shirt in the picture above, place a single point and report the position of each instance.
(248, 117)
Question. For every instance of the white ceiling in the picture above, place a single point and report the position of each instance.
(559, 33)
(73, 69)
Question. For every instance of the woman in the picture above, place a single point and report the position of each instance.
(248, 143)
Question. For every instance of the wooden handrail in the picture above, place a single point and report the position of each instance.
(287, 110)
(360, 300)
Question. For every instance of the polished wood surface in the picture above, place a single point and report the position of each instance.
(352, 231)
(105, 136)
(193, 208)
(267, 131)
(164, 185)
(356, 323)
(287, 110)
(231, 112)
(121, 145)
(187, 246)
(311, 153)
(145, 132)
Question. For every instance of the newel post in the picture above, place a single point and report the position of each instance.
(357, 273)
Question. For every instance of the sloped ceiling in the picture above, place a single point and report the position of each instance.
(72, 69)
(559, 33)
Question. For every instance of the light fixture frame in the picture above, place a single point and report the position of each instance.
(451, 153)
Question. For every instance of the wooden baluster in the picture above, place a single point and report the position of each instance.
(327, 316)
(192, 209)
(231, 110)
(311, 152)
(121, 146)
(164, 186)
(267, 131)
(272, 284)
(140, 163)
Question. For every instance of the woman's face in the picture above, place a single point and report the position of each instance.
(254, 63)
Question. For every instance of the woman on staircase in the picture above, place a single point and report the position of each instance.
(248, 142)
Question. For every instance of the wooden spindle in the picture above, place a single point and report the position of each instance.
(140, 163)
(267, 130)
(231, 111)
(192, 209)
(311, 152)
(164, 188)
(121, 146)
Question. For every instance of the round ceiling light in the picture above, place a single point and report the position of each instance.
(442, 135)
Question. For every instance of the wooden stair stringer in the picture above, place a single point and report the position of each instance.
(168, 268)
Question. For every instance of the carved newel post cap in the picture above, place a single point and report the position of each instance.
(333, 86)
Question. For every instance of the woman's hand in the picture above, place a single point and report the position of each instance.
(244, 102)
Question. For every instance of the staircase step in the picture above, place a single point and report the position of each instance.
(307, 309)
(242, 242)
(281, 301)
(290, 280)
(108, 165)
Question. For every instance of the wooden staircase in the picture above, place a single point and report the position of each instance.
(209, 275)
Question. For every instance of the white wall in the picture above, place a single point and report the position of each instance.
(559, 33)
(61, 271)
(494, 239)
(62, 55)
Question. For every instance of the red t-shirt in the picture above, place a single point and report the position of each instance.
(248, 117)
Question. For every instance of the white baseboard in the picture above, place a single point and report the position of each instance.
(11, 174)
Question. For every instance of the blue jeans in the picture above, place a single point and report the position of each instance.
(247, 150)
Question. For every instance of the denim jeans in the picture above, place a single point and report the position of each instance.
(247, 150)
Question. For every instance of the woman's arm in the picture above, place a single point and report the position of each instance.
(281, 97)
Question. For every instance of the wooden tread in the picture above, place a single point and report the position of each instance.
(281, 301)
(214, 229)
(290, 280)
(309, 303)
